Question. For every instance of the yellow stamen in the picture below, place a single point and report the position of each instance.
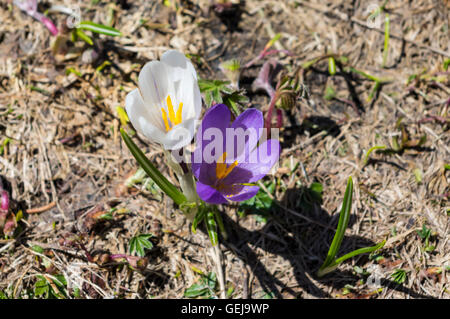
(166, 122)
(171, 111)
(222, 170)
(179, 114)
(174, 119)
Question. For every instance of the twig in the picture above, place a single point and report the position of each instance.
(217, 257)
(41, 209)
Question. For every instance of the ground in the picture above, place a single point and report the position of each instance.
(63, 160)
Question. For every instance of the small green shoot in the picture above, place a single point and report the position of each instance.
(446, 64)
(331, 65)
(425, 234)
(3, 145)
(399, 276)
(259, 206)
(331, 262)
(140, 243)
(204, 288)
(377, 147)
(386, 40)
(50, 287)
(330, 93)
(418, 175)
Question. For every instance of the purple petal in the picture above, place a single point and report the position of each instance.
(209, 194)
(237, 176)
(244, 134)
(262, 160)
(218, 116)
(211, 131)
(207, 173)
(246, 193)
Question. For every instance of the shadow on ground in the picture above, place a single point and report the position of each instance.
(304, 244)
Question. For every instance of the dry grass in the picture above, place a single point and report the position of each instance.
(65, 149)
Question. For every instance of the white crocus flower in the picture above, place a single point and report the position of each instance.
(167, 103)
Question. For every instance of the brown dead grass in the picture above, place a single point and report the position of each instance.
(65, 149)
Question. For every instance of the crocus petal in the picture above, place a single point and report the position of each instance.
(268, 153)
(136, 109)
(238, 175)
(180, 135)
(187, 92)
(154, 83)
(248, 129)
(179, 63)
(141, 117)
(209, 194)
(218, 116)
(246, 193)
(262, 160)
(215, 121)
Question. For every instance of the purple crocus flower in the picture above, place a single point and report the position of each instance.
(228, 165)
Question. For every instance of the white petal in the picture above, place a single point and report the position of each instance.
(154, 83)
(180, 136)
(189, 93)
(151, 132)
(141, 116)
(179, 63)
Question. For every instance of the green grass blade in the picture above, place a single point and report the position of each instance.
(325, 270)
(344, 217)
(386, 40)
(166, 186)
(360, 251)
(377, 147)
(99, 28)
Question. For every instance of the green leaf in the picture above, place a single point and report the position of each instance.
(196, 290)
(37, 249)
(211, 226)
(139, 243)
(211, 90)
(446, 64)
(211, 280)
(99, 28)
(331, 263)
(152, 171)
(216, 96)
(83, 36)
(198, 219)
(399, 276)
(360, 251)
(344, 217)
(41, 288)
(424, 233)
